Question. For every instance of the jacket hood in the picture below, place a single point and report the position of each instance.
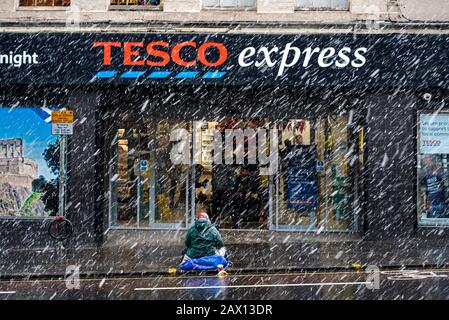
(200, 225)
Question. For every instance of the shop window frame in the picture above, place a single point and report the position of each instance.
(299, 7)
(20, 7)
(427, 222)
(111, 166)
(354, 227)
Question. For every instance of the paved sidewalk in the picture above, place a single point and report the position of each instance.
(125, 252)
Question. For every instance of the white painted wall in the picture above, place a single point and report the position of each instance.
(7, 6)
(425, 10)
(91, 5)
(368, 6)
(182, 5)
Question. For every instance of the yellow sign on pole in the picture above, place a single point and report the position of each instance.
(63, 116)
(62, 122)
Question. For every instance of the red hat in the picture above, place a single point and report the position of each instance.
(202, 216)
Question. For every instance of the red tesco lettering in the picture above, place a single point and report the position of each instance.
(158, 53)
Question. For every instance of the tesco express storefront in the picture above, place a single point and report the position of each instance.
(295, 133)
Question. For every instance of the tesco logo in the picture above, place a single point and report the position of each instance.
(161, 53)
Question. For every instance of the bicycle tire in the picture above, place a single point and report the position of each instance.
(60, 229)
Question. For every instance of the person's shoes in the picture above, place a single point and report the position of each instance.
(222, 274)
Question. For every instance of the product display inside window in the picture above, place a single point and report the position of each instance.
(29, 164)
(44, 3)
(433, 176)
(246, 173)
(147, 189)
(321, 167)
(229, 187)
(136, 2)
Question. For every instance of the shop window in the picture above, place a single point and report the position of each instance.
(147, 189)
(44, 3)
(229, 4)
(433, 176)
(316, 186)
(228, 186)
(320, 167)
(309, 179)
(322, 4)
(137, 3)
(29, 164)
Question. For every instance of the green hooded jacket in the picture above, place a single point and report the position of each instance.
(203, 239)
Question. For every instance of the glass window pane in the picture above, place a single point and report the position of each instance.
(433, 187)
(27, 2)
(211, 3)
(340, 4)
(170, 179)
(136, 2)
(318, 174)
(229, 3)
(247, 3)
(228, 186)
(322, 4)
(304, 3)
(125, 177)
(297, 179)
(147, 188)
(433, 177)
(44, 3)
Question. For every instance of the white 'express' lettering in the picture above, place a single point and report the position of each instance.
(292, 56)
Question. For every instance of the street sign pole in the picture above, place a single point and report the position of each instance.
(62, 167)
(62, 126)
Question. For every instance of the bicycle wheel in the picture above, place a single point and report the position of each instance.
(60, 229)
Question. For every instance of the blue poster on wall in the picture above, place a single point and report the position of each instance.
(300, 176)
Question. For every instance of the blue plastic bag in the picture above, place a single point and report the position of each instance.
(204, 263)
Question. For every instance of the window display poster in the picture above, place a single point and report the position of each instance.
(300, 174)
(435, 191)
(29, 163)
(301, 188)
(434, 133)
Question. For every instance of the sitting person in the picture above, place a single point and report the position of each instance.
(203, 239)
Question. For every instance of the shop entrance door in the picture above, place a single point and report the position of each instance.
(231, 190)
(296, 200)
(147, 190)
(340, 147)
(168, 181)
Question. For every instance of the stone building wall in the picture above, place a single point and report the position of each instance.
(181, 11)
(17, 181)
(14, 168)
